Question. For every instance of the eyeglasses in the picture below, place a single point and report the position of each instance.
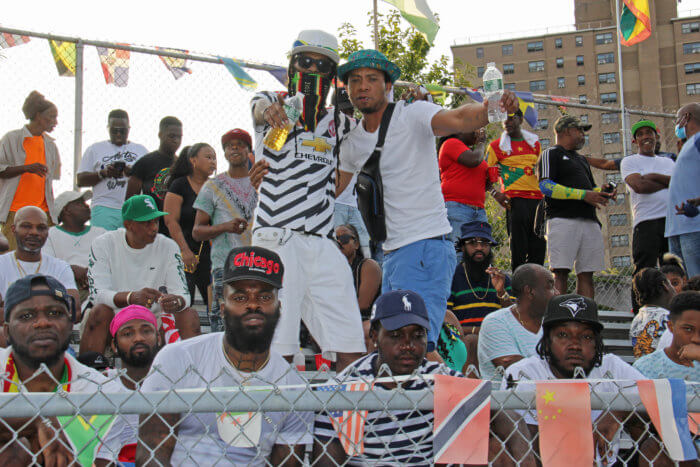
(323, 65)
(478, 241)
(345, 239)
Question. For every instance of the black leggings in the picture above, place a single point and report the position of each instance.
(200, 279)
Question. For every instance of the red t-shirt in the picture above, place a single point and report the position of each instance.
(466, 185)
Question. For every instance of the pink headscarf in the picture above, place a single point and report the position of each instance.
(129, 313)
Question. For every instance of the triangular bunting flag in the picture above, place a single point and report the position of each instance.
(462, 414)
(417, 12)
(280, 75)
(474, 94)
(177, 66)
(8, 40)
(86, 434)
(243, 79)
(349, 424)
(527, 107)
(115, 65)
(64, 54)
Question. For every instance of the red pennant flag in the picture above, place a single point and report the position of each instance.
(115, 65)
(564, 419)
(462, 413)
(8, 40)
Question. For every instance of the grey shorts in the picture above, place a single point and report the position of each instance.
(575, 244)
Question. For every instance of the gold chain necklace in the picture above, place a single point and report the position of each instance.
(515, 308)
(228, 359)
(21, 270)
(464, 266)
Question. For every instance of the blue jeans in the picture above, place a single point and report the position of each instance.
(425, 267)
(459, 213)
(687, 246)
(217, 298)
(346, 214)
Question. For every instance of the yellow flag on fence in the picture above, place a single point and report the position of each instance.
(64, 54)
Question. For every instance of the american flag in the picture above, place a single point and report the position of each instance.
(349, 424)
(8, 40)
(115, 65)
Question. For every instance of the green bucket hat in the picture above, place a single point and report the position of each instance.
(369, 58)
(642, 124)
(140, 208)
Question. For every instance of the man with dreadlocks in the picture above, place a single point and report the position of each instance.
(572, 347)
(294, 216)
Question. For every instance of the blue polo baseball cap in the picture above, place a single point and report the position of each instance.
(400, 308)
(477, 229)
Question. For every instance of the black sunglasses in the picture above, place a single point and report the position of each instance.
(323, 65)
(118, 131)
(345, 239)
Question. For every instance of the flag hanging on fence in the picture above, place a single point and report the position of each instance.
(177, 66)
(85, 434)
(243, 79)
(64, 54)
(462, 412)
(115, 65)
(349, 424)
(280, 75)
(527, 107)
(564, 419)
(665, 401)
(417, 12)
(8, 40)
(635, 25)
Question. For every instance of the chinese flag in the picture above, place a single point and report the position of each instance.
(564, 419)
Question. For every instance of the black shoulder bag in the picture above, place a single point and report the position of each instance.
(369, 187)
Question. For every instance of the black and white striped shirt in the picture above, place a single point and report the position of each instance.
(397, 437)
(299, 190)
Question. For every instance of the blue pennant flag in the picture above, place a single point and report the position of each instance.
(242, 78)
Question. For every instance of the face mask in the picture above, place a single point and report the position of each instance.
(315, 89)
(680, 132)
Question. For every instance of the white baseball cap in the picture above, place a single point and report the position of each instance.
(69, 196)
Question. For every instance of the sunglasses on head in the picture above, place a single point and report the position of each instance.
(323, 65)
(345, 239)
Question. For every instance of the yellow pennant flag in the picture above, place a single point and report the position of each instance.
(64, 54)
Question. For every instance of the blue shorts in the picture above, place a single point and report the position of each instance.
(425, 267)
(107, 218)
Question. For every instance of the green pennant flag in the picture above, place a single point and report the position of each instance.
(85, 435)
(417, 12)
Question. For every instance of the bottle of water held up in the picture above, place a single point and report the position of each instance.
(493, 90)
(276, 137)
(299, 361)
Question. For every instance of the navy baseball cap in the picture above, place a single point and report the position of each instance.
(400, 308)
(477, 229)
(254, 262)
(21, 290)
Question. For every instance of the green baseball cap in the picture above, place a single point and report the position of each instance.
(642, 124)
(141, 208)
(570, 121)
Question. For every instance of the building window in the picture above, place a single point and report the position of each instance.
(583, 118)
(561, 82)
(540, 106)
(507, 49)
(619, 240)
(579, 60)
(479, 71)
(579, 41)
(581, 80)
(692, 89)
(604, 38)
(606, 78)
(544, 143)
(538, 85)
(557, 43)
(479, 52)
(621, 261)
(687, 28)
(618, 200)
(691, 68)
(582, 99)
(508, 69)
(612, 155)
(535, 46)
(608, 57)
(691, 48)
(608, 97)
(618, 219)
(542, 124)
(610, 117)
(509, 86)
(536, 66)
(586, 140)
(611, 138)
(560, 62)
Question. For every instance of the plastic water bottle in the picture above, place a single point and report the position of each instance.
(276, 137)
(493, 90)
(299, 361)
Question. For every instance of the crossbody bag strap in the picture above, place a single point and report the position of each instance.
(383, 128)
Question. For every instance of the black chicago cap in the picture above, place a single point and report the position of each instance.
(21, 290)
(572, 307)
(256, 263)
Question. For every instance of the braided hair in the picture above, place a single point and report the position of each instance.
(648, 285)
(672, 264)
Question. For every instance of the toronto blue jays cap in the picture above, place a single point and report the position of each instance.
(400, 308)
(572, 307)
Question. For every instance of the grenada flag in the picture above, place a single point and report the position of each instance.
(635, 22)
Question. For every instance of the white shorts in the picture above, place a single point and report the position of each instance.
(318, 288)
(575, 244)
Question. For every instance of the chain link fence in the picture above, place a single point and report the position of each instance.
(237, 422)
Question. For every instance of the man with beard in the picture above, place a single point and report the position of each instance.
(136, 341)
(478, 288)
(574, 238)
(572, 341)
(399, 335)
(238, 356)
(39, 316)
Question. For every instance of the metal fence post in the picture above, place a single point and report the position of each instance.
(78, 124)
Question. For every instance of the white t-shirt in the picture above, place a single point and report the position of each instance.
(73, 248)
(650, 206)
(413, 202)
(612, 367)
(200, 362)
(48, 266)
(348, 195)
(109, 192)
(116, 267)
(124, 430)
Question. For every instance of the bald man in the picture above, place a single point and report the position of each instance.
(683, 231)
(31, 228)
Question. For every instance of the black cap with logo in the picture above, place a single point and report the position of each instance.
(22, 289)
(254, 263)
(572, 307)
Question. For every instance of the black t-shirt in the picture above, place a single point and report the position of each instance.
(152, 169)
(181, 187)
(570, 169)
